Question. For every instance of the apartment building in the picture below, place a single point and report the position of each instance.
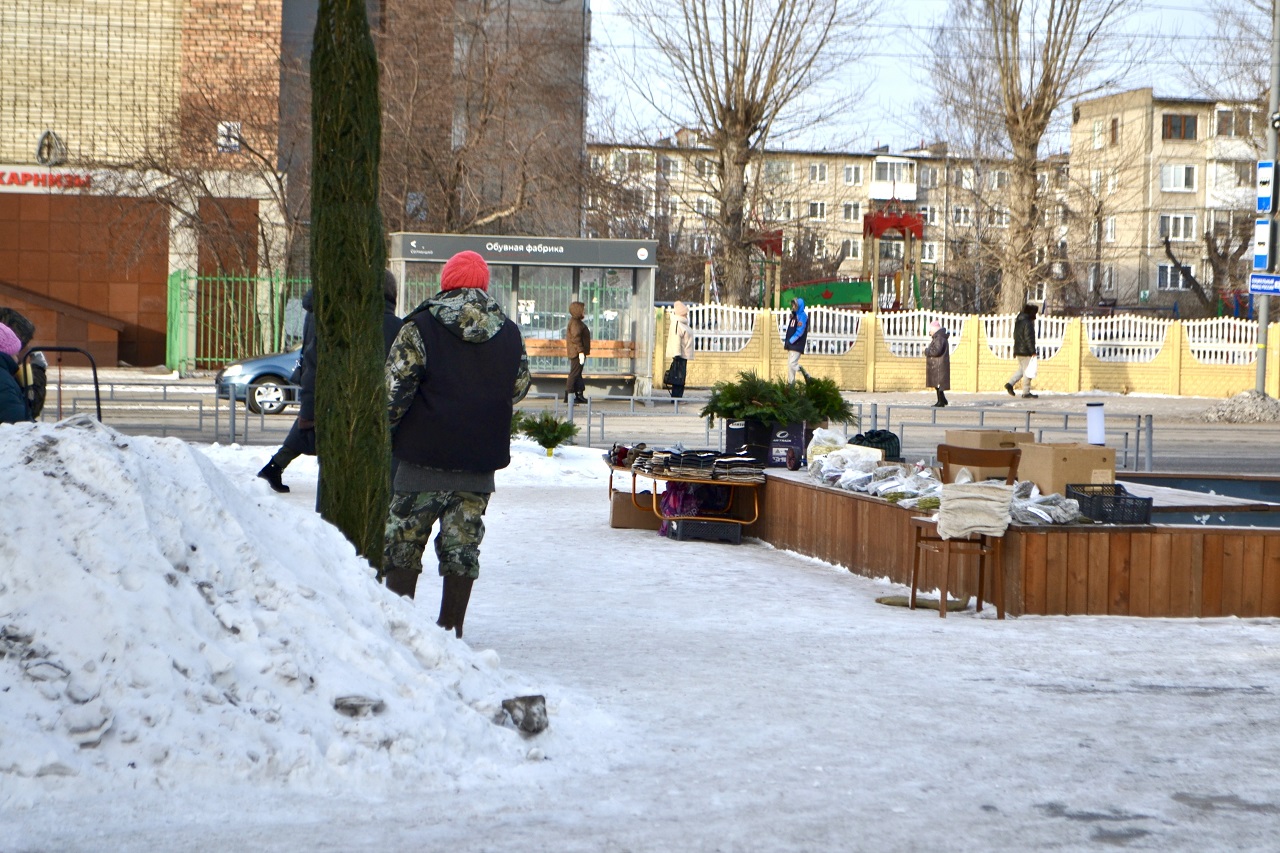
(1161, 196)
(817, 200)
(142, 137)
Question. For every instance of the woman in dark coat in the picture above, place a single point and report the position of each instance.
(577, 339)
(937, 362)
(13, 403)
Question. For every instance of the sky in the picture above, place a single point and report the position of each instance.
(890, 79)
(175, 637)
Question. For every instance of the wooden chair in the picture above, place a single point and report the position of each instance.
(951, 459)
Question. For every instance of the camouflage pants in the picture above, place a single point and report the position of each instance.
(461, 517)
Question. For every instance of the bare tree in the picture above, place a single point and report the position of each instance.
(1038, 55)
(484, 111)
(735, 71)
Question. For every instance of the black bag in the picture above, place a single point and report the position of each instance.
(33, 376)
(883, 439)
(674, 377)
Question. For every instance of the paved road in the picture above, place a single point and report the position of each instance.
(138, 401)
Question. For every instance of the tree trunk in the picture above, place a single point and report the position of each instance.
(1018, 273)
(735, 250)
(347, 261)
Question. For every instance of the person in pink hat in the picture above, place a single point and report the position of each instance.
(13, 403)
(454, 374)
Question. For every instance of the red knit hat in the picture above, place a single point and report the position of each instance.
(465, 269)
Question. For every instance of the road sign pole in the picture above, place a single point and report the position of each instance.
(1273, 128)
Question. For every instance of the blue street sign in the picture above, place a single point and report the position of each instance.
(1264, 283)
(1266, 176)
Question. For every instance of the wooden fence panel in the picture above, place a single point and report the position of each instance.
(1140, 575)
(1211, 596)
(1120, 559)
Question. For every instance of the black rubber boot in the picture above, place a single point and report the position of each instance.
(402, 582)
(453, 603)
(271, 472)
(942, 399)
(578, 398)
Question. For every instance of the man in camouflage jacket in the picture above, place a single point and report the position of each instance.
(454, 374)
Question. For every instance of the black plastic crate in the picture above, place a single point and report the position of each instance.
(1110, 503)
(711, 531)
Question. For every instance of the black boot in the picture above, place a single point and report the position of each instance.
(578, 398)
(942, 399)
(453, 603)
(271, 472)
(402, 582)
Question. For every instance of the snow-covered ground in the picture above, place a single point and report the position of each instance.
(179, 645)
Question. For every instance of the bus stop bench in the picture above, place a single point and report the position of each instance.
(555, 348)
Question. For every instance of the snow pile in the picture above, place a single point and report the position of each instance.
(1249, 407)
(160, 624)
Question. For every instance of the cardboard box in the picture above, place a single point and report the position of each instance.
(1053, 466)
(784, 437)
(624, 514)
(989, 439)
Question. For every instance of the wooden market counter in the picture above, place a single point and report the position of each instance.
(1095, 569)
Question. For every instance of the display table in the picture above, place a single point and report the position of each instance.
(725, 515)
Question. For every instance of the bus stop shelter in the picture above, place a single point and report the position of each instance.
(534, 279)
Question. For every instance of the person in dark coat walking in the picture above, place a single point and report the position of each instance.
(13, 403)
(937, 361)
(1024, 348)
(577, 339)
(454, 375)
(301, 439)
(796, 337)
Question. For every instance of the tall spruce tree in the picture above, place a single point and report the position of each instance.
(347, 259)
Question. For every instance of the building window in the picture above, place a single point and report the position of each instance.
(1178, 179)
(1102, 279)
(817, 173)
(998, 180)
(1179, 227)
(788, 246)
(704, 167)
(1115, 131)
(1113, 181)
(670, 167)
(1109, 229)
(778, 171)
(1237, 123)
(1246, 172)
(900, 173)
(1169, 277)
(998, 217)
(929, 214)
(597, 163)
(1095, 182)
(850, 248)
(929, 253)
(853, 175)
(228, 139)
(705, 207)
(1099, 133)
(961, 215)
(928, 177)
(1176, 126)
(852, 211)
(817, 210)
(891, 249)
(819, 247)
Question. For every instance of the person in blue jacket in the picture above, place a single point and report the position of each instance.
(13, 403)
(796, 337)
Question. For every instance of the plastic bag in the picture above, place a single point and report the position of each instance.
(825, 441)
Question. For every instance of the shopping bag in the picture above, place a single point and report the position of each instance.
(1030, 372)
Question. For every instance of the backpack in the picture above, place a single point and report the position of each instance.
(33, 378)
(883, 439)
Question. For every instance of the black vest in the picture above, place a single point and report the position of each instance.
(460, 418)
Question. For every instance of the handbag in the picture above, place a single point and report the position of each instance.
(675, 373)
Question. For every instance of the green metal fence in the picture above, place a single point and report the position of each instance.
(217, 319)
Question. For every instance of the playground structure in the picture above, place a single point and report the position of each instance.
(863, 292)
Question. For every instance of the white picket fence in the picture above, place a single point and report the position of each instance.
(1223, 340)
(906, 333)
(832, 331)
(1049, 334)
(1125, 338)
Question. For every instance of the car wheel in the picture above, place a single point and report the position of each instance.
(268, 396)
